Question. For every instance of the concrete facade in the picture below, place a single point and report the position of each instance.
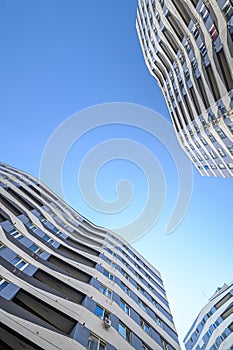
(213, 327)
(187, 46)
(68, 284)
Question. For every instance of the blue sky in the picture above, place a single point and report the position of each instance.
(59, 57)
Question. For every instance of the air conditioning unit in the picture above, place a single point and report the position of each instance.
(107, 322)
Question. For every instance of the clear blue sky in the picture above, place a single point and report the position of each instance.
(58, 57)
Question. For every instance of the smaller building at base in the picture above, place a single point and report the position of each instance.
(213, 327)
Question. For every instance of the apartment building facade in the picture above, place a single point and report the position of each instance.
(66, 283)
(213, 328)
(187, 46)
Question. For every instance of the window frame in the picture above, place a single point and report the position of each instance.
(106, 291)
(2, 246)
(127, 335)
(94, 339)
(124, 306)
(107, 274)
(125, 274)
(142, 305)
(16, 234)
(125, 288)
(145, 326)
(4, 282)
(30, 225)
(20, 261)
(104, 314)
(37, 251)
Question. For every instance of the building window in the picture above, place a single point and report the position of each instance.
(17, 235)
(139, 277)
(194, 159)
(223, 336)
(106, 291)
(221, 166)
(42, 218)
(204, 13)
(19, 263)
(124, 262)
(209, 333)
(197, 144)
(95, 343)
(203, 322)
(231, 329)
(141, 290)
(213, 32)
(231, 149)
(145, 347)
(158, 321)
(34, 248)
(125, 288)
(187, 46)
(125, 274)
(187, 74)
(182, 59)
(221, 133)
(3, 283)
(145, 326)
(203, 50)
(151, 288)
(203, 141)
(124, 306)
(230, 126)
(213, 166)
(227, 10)
(212, 139)
(101, 312)
(194, 63)
(124, 331)
(30, 225)
(2, 246)
(191, 146)
(110, 262)
(124, 253)
(164, 344)
(222, 154)
(108, 275)
(212, 154)
(195, 32)
(142, 305)
(154, 303)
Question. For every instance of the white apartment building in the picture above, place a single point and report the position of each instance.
(68, 284)
(187, 46)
